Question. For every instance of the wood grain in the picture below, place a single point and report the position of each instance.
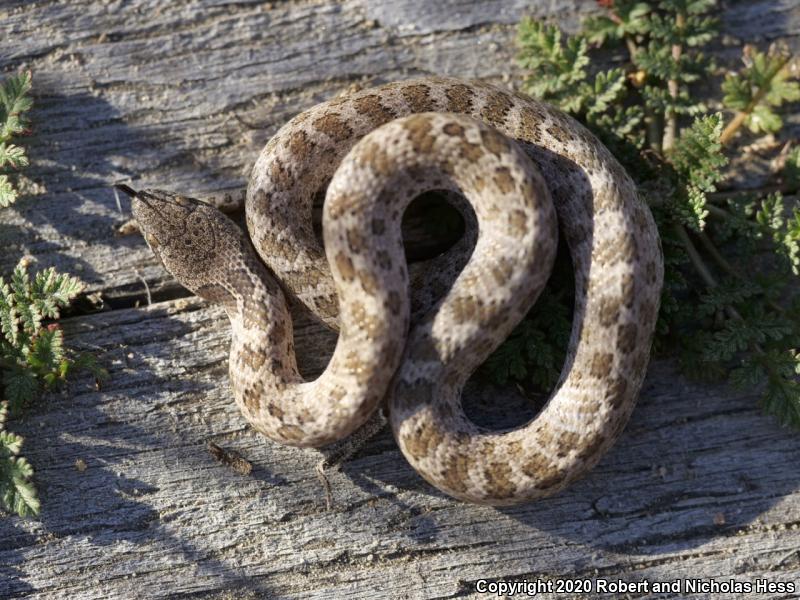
(183, 95)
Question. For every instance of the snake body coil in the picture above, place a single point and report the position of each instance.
(519, 163)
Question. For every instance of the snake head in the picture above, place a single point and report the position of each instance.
(188, 236)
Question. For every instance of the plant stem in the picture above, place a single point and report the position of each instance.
(730, 269)
(737, 121)
(694, 256)
(705, 274)
(633, 50)
(716, 211)
(671, 128)
(708, 278)
(718, 258)
(760, 191)
(702, 269)
(650, 119)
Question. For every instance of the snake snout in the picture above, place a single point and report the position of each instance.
(125, 189)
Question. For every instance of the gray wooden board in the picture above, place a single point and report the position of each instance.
(183, 95)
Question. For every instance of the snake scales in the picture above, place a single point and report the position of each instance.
(520, 164)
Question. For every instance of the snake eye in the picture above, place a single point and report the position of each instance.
(151, 240)
(182, 200)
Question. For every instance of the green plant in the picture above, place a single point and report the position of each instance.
(731, 260)
(14, 103)
(32, 359)
(32, 353)
(17, 493)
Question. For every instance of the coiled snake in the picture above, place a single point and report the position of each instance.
(519, 163)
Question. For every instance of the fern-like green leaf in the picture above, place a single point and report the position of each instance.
(29, 316)
(8, 195)
(784, 232)
(12, 156)
(52, 290)
(692, 210)
(47, 351)
(34, 353)
(698, 161)
(14, 102)
(9, 318)
(556, 64)
(608, 88)
(20, 387)
(17, 494)
(534, 352)
(732, 292)
(738, 94)
(697, 156)
(763, 119)
(630, 19)
(748, 375)
(766, 82)
(791, 169)
(782, 398)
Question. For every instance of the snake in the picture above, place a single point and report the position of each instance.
(523, 174)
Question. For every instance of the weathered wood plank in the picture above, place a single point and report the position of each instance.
(183, 95)
(700, 485)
